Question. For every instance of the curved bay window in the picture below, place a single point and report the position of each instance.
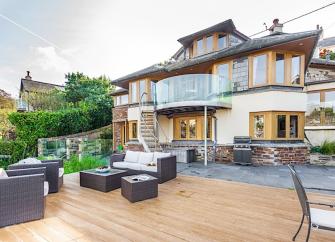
(191, 128)
(276, 68)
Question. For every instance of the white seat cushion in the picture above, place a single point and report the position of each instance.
(3, 173)
(61, 172)
(148, 168)
(46, 188)
(145, 158)
(322, 217)
(127, 165)
(29, 160)
(160, 155)
(132, 156)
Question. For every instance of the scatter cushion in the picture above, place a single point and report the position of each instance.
(3, 173)
(322, 217)
(30, 160)
(148, 168)
(46, 188)
(132, 156)
(61, 172)
(127, 165)
(145, 158)
(160, 155)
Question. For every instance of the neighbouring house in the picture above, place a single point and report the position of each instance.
(29, 88)
(320, 88)
(221, 84)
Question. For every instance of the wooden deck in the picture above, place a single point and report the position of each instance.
(187, 209)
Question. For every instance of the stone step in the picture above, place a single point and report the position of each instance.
(149, 139)
(147, 123)
(148, 126)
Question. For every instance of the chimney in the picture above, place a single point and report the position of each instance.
(28, 77)
(276, 27)
(318, 27)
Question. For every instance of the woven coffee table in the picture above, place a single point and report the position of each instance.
(103, 182)
(135, 190)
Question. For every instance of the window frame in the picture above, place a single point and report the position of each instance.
(271, 68)
(271, 124)
(131, 125)
(147, 89)
(322, 100)
(199, 127)
(251, 69)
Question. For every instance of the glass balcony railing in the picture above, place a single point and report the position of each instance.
(320, 114)
(193, 90)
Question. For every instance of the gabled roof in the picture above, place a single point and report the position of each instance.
(327, 42)
(247, 46)
(4, 94)
(36, 86)
(225, 26)
(119, 91)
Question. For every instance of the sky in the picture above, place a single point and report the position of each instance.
(116, 37)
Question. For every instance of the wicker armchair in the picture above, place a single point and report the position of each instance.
(52, 172)
(21, 196)
(166, 167)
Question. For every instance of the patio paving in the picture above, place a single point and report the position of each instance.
(274, 176)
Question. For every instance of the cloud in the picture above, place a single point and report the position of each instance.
(49, 59)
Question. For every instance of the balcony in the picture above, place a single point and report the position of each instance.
(193, 90)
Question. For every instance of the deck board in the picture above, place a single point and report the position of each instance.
(187, 209)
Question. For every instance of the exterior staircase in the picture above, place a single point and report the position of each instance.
(147, 131)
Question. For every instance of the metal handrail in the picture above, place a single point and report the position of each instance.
(155, 121)
(145, 124)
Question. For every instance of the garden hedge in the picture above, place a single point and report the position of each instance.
(43, 124)
(14, 149)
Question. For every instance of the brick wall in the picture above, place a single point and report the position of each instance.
(280, 155)
(120, 113)
(262, 154)
(117, 134)
(134, 146)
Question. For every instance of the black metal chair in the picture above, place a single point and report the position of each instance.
(317, 218)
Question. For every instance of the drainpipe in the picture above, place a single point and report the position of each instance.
(205, 134)
(215, 137)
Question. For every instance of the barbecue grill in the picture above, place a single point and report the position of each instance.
(242, 150)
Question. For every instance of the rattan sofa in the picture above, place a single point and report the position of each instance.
(166, 167)
(22, 196)
(52, 172)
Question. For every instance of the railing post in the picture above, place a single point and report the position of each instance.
(205, 134)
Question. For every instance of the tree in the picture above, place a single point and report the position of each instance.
(92, 94)
(80, 87)
(7, 106)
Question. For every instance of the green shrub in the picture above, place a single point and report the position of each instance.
(327, 147)
(315, 149)
(43, 124)
(86, 163)
(14, 149)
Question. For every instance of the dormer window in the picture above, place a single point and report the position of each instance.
(209, 43)
(187, 53)
(200, 47)
(222, 41)
(234, 40)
